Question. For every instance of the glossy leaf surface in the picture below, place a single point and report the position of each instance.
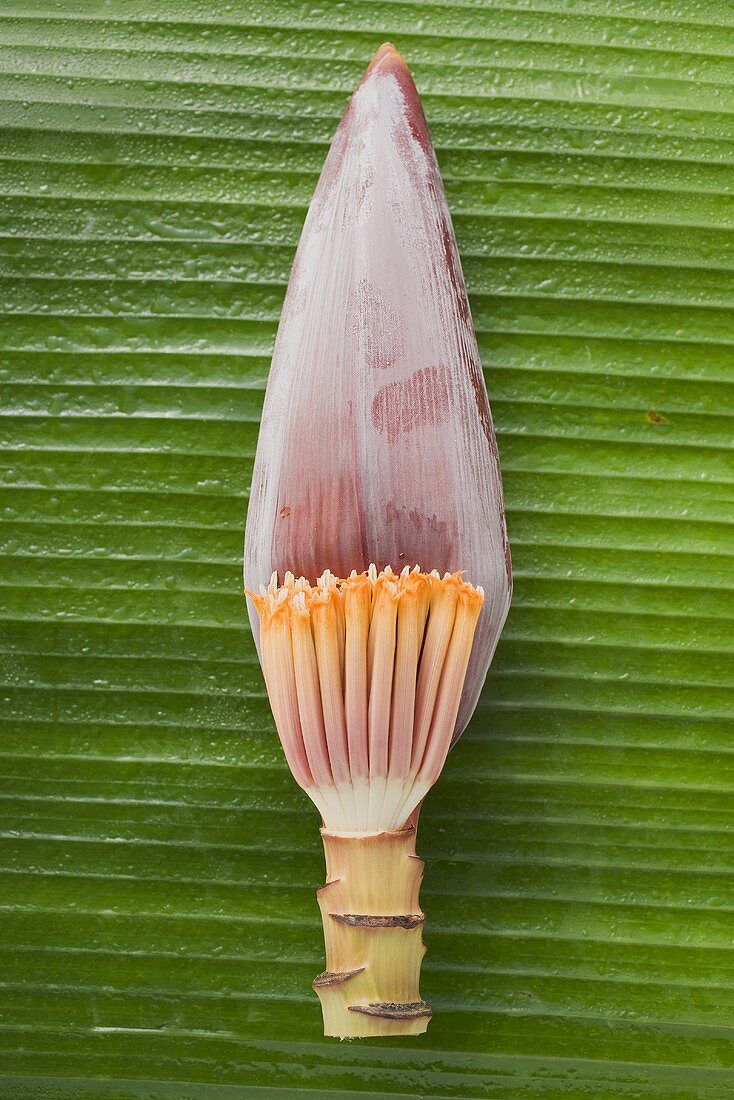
(158, 920)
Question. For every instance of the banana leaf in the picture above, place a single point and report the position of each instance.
(158, 923)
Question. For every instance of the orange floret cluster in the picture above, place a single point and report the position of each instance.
(364, 676)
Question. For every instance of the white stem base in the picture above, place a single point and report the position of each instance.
(375, 805)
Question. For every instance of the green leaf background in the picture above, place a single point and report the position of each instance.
(158, 923)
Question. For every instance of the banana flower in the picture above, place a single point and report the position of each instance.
(376, 557)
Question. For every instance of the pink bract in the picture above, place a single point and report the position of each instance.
(376, 443)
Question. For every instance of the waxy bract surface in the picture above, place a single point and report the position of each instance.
(376, 442)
